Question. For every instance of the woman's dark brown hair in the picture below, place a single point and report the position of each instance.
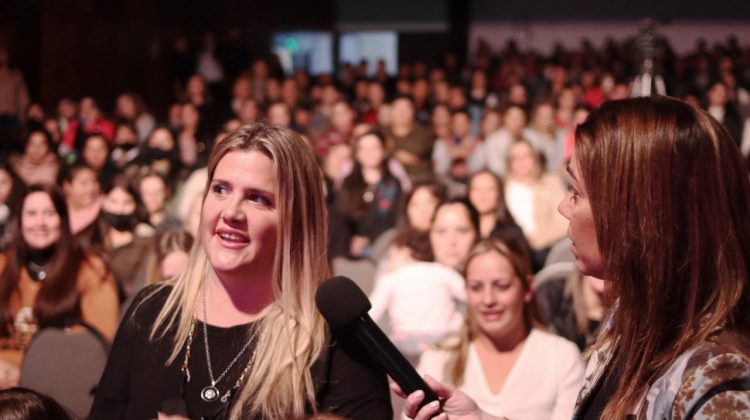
(670, 199)
(57, 298)
(351, 199)
(25, 404)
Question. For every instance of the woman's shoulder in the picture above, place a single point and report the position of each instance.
(712, 380)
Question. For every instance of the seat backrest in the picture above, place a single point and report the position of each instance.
(66, 364)
(361, 271)
(556, 271)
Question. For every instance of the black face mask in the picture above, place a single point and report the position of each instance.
(120, 222)
(154, 153)
(126, 147)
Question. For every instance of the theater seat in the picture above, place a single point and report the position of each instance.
(66, 364)
(362, 271)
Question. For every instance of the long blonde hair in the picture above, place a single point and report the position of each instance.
(292, 335)
(459, 346)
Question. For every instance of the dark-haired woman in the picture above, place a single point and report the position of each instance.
(659, 209)
(25, 404)
(38, 164)
(48, 280)
(370, 196)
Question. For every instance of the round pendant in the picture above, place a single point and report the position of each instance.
(368, 196)
(209, 393)
(42, 275)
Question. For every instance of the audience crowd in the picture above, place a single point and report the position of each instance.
(443, 181)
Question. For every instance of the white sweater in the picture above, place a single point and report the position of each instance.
(420, 300)
(542, 385)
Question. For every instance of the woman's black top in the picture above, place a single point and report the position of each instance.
(137, 382)
(604, 390)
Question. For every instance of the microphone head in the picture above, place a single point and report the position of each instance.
(341, 302)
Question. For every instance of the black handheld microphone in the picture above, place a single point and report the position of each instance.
(345, 306)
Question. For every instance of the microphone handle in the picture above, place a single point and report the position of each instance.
(390, 358)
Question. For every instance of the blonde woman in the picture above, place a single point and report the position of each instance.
(237, 334)
(502, 357)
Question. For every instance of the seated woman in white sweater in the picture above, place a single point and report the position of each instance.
(502, 358)
(422, 300)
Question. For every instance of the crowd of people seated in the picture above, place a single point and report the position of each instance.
(444, 179)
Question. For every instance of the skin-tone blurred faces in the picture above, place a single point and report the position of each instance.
(544, 118)
(119, 201)
(491, 121)
(342, 117)
(278, 114)
(460, 124)
(83, 189)
(514, 120)
(496, 297)
(40, 222)
(334, 161)
(126, 106)
(484, 193)
(370, 152)
(95, 152)
(403, 113)
(153, 193)
(161, 138)
(522, 162)
(37, 147)
(576, 207)
(421, 208)
(451, 234)
(6, 185)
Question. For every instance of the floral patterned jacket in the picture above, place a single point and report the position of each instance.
(709, 381)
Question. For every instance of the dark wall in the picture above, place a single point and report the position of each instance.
(536, 10)
(101, 48)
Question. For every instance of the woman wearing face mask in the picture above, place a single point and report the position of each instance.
(660, 209)
(237, 335)
(125, 243)
(126, 152)
(160, 154)
(48, 280)
(422, 299)
(502, 357)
